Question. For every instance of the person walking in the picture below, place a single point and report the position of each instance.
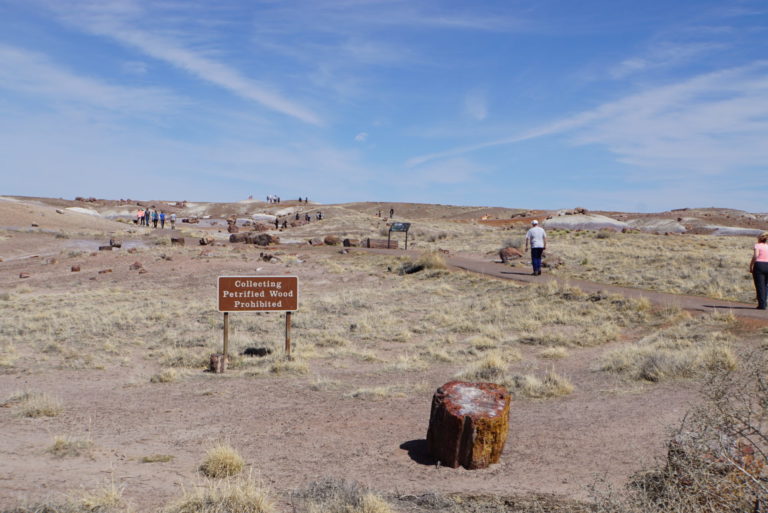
(162, 219)
(155, 218)
(391, 213)
(173, 220)
(758, 266)
(536, 238)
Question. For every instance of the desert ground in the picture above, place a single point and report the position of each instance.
(106, 403)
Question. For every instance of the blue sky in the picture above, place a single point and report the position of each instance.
(611, 104)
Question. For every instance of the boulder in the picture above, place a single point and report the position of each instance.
(351, 243)
(297, 223)
(115, 243)
(509, 253)
(232, 228)
(238, 237)
(135, 266)
(105, 248)
(468, 424)
(105, 271)
(332, 240)
(132, 250)
(262, 239)
(24, 275)
(177, 241)
(551, 261)
(206, 241)
(315, 241)
(75, 269)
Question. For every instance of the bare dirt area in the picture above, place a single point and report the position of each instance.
(115, 354)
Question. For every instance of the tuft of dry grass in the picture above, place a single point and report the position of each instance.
(165, 376)
(376, 393)
(157, 458)
(237, 495)
(222, 461)
(338, 496)
(554, 353)
(550, 385)
(289, 366)
(34, 404)
(65, 446)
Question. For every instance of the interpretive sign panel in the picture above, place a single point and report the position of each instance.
(258, 293)
(399, 227)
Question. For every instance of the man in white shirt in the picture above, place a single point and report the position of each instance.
(537, 239)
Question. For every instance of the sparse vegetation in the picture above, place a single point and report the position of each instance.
(236, 495)
(338, 496)
(65, 446)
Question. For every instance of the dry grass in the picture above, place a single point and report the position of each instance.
(549, 386)
(338, 496)
(157, 458)
(222, 461)
(377, 393)
(165, 376)
(65, 446)
(554, 353)
(34, 404)
(686, 350)
(236, 495)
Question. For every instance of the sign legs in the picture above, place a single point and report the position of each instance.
(288, 334)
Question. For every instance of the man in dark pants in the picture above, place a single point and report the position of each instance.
(537, 239)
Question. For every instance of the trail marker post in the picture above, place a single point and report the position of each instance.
(256, 294)
(398, 227)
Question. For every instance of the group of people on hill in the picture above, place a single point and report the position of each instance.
(147, 217)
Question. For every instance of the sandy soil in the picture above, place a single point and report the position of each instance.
(288, 433)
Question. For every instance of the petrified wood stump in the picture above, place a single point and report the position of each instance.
(218, 363)
(468, 425)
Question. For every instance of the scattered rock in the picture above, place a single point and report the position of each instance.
(105, 271)
(315, 241)
(262, 239)
(75, 269)
(238, 237)
(24, 275)
(331, 240)
(379, 243)
(135, 266)
(59, 211)
(509, 253)
(132, 250)
(468, 424)
(115, 243)
(207, 241)
(551, 261)
(262, 227)
(51, 261)
(232, 228)
(166, 257)
(35, 225)
(256, 351)
(177, 241)
(143, 271)
(105, 248)
(351, 243)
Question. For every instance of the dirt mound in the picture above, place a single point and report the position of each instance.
(17, 214)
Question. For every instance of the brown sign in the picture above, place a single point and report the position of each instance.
(258, 293)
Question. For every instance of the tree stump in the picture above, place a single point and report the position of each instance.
(468, 424)
(218, 363)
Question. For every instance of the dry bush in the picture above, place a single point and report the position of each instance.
(292, 366)
(492, 369)
(222, 461)
(554, 353)
(64, 446)
(718, 458)
(550, 385)
(338, 496)
(108, 499)
(165, 376)
(237, 495)
(377, 393)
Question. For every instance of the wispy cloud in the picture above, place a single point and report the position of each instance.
(706, 124)
(475, 105)
(664, 55)
(33, 73)
(115, 20)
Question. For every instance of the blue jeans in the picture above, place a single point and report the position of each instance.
(536, 258)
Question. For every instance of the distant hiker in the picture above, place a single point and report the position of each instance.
(537, 239)
(277, 223)
(285, 224)
(307, 217)
(299, 199)
(379, 214)
(140, 215)
(391, 213)
(297, 216)
(306, 200)
(173, 220)
(758, 266)
(155, 218)
(319, 216)
(162, 219)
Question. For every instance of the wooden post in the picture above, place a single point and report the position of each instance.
(226, 334)
(389, 235)
(288, 334)
(406, 240)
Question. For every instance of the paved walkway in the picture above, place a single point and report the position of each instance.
(505, 272)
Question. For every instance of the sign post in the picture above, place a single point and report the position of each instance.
(258, 294)
(399, 227)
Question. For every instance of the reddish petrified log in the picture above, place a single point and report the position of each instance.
(509, 253)
(218, 363)
(177, 241)
(351, 243)
(380, 243)
(468, 425)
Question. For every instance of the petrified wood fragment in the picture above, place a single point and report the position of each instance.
(468, 424)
